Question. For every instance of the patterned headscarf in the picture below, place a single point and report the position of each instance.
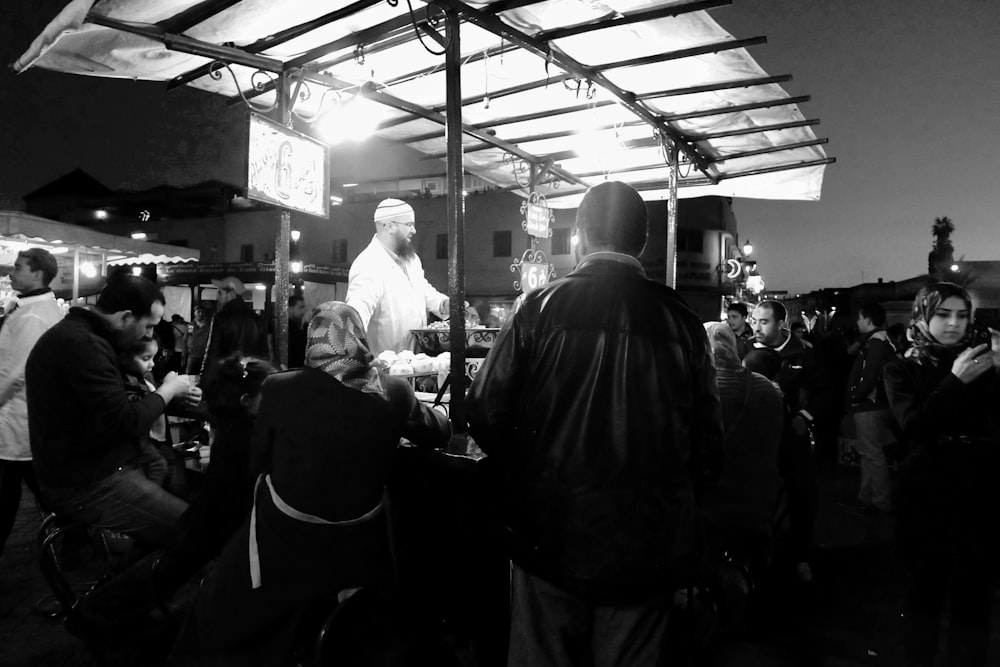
(925, 346)
(337, 345)
(723, 342)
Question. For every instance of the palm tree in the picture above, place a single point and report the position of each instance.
(943, 254)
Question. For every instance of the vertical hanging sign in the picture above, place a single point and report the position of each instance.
(537, 216)
(287, 168)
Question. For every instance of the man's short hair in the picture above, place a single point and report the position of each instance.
(739, 307)
(295, 300)
(777, 309)
(40, 259)
(613, 215)
(874, 313)
(126, 292)
(796, 326)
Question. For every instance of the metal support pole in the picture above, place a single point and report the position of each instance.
(456, 226)
(673, 153)
(281, 247)
(76, 274)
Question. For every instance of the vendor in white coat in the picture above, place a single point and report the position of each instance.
(29, 316)
(387, 285)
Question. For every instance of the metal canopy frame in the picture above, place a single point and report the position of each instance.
(684, 136)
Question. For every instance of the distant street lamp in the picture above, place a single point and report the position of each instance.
(747, 248)
(954, 268)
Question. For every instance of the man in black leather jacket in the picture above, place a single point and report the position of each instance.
(599, 406)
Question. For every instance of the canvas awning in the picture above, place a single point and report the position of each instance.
(577, 92)
(75, 246)
(18, 229)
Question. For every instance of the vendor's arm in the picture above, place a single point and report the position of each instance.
(434, 301)
(365, 288)
(423, 425)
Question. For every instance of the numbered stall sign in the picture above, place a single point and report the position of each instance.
(534, 276)
(532, 270)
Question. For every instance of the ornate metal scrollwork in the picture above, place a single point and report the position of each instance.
(215, 72)
(530, 256)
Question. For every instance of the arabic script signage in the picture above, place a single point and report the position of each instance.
(537, 216)
(287, 168)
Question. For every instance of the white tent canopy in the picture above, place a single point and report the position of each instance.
(581, 91)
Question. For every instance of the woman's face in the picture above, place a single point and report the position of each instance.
(950, 321)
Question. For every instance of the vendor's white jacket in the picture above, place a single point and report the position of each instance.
(21, 330)
(392, 296)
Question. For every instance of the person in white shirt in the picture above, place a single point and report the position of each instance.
(387, 285)
(33, 312)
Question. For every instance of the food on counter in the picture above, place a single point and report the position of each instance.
(401, 368)
(444, 325)
(422, 364)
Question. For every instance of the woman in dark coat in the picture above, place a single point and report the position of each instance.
(945, 395)
(322, 445)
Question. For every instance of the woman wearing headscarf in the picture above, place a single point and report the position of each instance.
(945, 395)
(322, 447)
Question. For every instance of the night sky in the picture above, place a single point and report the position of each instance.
(908, 92)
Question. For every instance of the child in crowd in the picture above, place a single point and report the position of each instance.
(156, 456)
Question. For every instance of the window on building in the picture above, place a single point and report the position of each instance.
(340, 251)
(690, 240)
(442, 246)
(246, 252)
(501, 244)
(183, 243)
(561, 240)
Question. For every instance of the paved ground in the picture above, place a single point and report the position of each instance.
(850, 619)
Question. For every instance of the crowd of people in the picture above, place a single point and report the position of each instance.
(643, 462)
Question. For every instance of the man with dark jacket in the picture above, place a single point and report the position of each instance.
(84, 430)
(869, 407)
(599, 405)
(235, 329)
(798, 379)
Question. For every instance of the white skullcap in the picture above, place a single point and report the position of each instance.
(391, 209)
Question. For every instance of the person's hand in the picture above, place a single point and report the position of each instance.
(173, 385)
(193, 396)
(995, 347)
(972, 363)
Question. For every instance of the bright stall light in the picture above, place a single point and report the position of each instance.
(259, 287)
(136, 270)
(954, 268)
(101, 214)
(295, 267)
(139, 236)
(755, 284)
(296, 234)
(88, 270)
(352, 120)
(59, 251)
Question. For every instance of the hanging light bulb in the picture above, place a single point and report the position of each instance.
(88, 270)
(747, 248)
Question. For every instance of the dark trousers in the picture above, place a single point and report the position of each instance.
(797, 467)
(551, 627)
(11, 474)
(967, 584)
